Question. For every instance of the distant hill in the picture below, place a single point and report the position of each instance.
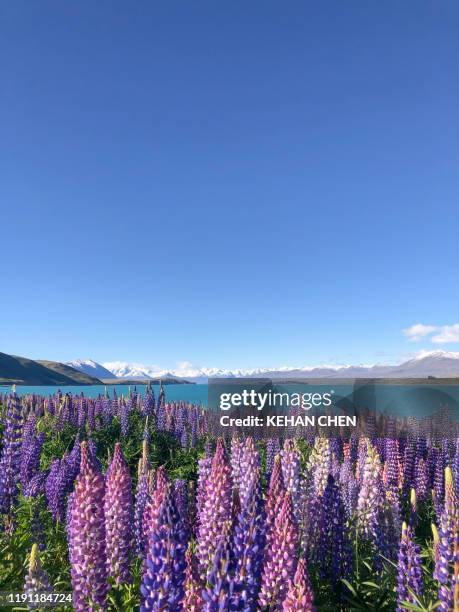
(79, 377)
(23, 371)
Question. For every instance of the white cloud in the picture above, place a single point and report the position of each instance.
(419, 331)
(438, 334)
(447, 333)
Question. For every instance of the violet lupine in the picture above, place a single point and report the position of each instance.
(447, 539)
(163, 579)
(300, 597)
(87, 549)
(274, 499)
(421, 479)
(10, 456)
(335, 553)
(291, 471)
(181, 499)
(56, 488)
(118, 518)
(272, 449)
(409, 574)
(408, 467)
(30, 457)
(37, 580)
(248, 546)
(141, 498)
(280, 559)
(235, 459)
(250, 469)
(220, 593)
(193, 601)
(217, 507)
(391, 469)
(36, 485)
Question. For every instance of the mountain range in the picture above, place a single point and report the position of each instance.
(440, 364)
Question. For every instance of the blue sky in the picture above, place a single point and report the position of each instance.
(233, 184)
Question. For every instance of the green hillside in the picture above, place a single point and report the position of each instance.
(80, 378)
(23, 371)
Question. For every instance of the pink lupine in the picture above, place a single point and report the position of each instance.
(118, 517)
(217, 508)
(87, 548)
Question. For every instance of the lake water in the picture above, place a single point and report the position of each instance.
(197, 394)
(415, 399)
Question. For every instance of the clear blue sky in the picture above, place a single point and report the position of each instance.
(229, 183)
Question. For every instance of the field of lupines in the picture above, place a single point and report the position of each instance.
(130, 503)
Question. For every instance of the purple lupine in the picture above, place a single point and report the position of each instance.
(87, 550)
(148, 404)
(163, 579)
(300, 597)
(334, 549)
(274, 499)
(10, 456)
(193, 600)
(249, 466)
(235, 460)
(118, 517)
(56, 488)
(409, 574)
(141, 498)
(37, 581)
(421, 479)
(272, 449)
(30, 457)
(370, 498)
(181, 499)
(391, 468)
(446, 544)
(320, 464)
(219, 593)
(248, 546)
(36, 485)
(280, 559)
(291, 471)
(408, 466)
(217, 507)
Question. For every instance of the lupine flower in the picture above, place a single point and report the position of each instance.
(235, 460)
(10, 456)
(409, 576)
(299, 597)
(248, 546)
(153, 505)
(30, 457)
(141, 498)
(118, 517)
(274, 499)
(37, 580)
(272, 449)
(320, 464)
(220, 595)
(164, 576)
(193, 600)
(335, 553)
(87, 549)
(217, 507)
(370, 497)
(36, 485)
(291, 471)
(280, 559)
(249, 469)
(445, 550)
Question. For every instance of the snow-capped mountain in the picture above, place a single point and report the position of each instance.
(426, 363)
(88, 366)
